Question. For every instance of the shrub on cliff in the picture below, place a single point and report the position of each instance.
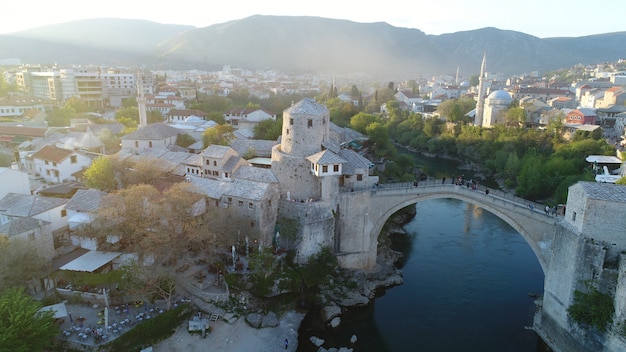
(592, 308)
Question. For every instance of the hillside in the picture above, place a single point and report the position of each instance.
(304, 44)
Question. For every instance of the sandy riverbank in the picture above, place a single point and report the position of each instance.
(238, 336)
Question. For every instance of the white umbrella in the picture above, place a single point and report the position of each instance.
(106, 317)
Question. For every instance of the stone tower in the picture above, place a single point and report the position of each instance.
(480, 105)
(305, 128)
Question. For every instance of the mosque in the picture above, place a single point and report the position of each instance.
(488, 109)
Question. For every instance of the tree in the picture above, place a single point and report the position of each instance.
(20, 263)
(111, 142)
(149, 283)
(23, 327)
(360, 121)
(515, 117)
(268, 129)
(101, 174)
(144, 170)
(77, 105)
(219, 135)
(60, 117)
(184, 140)
(133, 213)
(129, 117)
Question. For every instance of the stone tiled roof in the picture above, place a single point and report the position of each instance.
(246, 189)
(353, 161)
(307, 106)
(325, 157)
(22, 205)
(194, 159)
(52, 153)
(231, 163)
(260, 147)
(604, 191)
(153, 131)
(87, 200)
(215, 151)
(258, 174)
(243, 189)
(21, 225)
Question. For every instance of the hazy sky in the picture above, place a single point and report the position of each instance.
(541, 18)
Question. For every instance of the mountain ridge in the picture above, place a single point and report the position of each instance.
(305, 44)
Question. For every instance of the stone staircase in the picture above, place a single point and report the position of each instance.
(197, 298)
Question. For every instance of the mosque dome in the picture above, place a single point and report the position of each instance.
(500, 95)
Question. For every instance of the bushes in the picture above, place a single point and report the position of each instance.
(150, 331)
(593, 308)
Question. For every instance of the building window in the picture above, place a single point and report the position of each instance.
(54, 164)
(150, 144)
(63, 213)
(574, 216)
(359, 177)
(230, 200)
(309, 123)
(136, 144)
(287, 131)
(46, 162)
(31, 236)
(214, 162)
(250, 205)
(73, 159)
(335, 168)
(226, 174)
(324, 168)
(269, 202)
(291, 121)
(240, 203)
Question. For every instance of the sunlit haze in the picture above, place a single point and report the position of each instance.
(535, 17)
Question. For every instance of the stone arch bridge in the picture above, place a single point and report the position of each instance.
(526, 217)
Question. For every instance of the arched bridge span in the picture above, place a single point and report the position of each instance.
(526, 217)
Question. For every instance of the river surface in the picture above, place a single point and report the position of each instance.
(467, 280)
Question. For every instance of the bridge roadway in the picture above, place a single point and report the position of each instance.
(526, 217)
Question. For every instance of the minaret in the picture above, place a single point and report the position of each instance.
(480, 105)
(141, 100)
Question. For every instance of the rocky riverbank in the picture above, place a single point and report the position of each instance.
(361, 287)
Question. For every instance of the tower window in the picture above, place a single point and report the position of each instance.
(310, 123)
(291, 121)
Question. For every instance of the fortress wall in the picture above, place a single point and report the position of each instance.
(317, 226)
(577, 260)
(355, 246)
(294, 176)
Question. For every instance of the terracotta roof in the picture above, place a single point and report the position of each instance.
(52, 153)
(20, 100)
(23, 131)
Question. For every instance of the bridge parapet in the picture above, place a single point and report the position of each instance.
(526, 217)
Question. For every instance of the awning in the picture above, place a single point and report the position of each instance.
(603, 159)
(80, 219)
(60, 311)
(91, 261)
